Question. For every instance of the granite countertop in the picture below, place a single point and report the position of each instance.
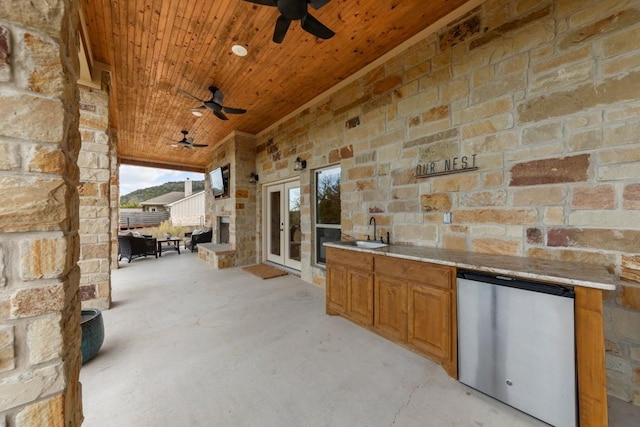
(559, 272)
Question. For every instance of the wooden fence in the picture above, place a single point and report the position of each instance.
(141, 219)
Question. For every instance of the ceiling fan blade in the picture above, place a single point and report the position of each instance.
(189, 140)
(263, 2)
(199, 145)
(317, 4)
(315, 27)
(188, 95)
(231, 110)
(217, 95)
(282, 25)
(220, 115)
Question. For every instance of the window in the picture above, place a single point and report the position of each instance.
(327, 210)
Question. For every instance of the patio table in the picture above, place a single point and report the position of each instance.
(170, 244)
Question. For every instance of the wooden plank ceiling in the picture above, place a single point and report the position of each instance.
(156, 47)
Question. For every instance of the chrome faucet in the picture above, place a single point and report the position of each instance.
(374, 228)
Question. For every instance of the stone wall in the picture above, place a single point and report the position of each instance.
(39, 243)
(238, 150)
(96, 165)
(275, 157)
(542, 95)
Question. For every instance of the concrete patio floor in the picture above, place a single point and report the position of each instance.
(188, 345)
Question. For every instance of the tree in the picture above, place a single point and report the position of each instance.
(130, 204)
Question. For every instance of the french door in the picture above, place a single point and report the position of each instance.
(283, 233)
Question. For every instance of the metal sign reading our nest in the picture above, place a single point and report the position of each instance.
(447, 166)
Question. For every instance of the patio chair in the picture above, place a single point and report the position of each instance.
(131, 246)
(198, 236)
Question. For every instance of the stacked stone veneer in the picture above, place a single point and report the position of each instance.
(98, 165)
(544, 94)
(39, 243)
(219, 256)
(238, 150)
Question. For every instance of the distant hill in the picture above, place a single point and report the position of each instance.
(151, 192)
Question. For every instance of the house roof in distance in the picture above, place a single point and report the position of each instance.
(165, 199)
(198, 194)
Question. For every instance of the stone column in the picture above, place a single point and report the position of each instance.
(39, 278)
(243, 228)
(95, 162)
(241, 206)
(114, 201)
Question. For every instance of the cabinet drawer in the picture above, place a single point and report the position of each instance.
(351, 259)
(422, 272)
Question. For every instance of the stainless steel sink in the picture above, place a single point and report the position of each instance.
(370, 245)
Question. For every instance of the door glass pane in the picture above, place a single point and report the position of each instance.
(274, 238)
(295, 234)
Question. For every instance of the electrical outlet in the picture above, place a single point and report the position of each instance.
(446, 218)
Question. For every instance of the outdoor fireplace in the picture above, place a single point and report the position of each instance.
(223, 229)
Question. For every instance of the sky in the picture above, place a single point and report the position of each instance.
(133, 178)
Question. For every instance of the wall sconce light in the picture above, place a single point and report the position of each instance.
(299, 164)
(253, 178)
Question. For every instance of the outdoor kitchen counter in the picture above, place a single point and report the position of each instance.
(589, 282)
(550, 271)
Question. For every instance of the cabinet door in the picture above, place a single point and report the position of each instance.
(360, 296)
(336, 289)
(390, 298)
(429, 312)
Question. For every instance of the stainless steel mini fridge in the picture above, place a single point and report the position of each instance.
(516, 343)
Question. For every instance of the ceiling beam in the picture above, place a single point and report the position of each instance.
(164, 165)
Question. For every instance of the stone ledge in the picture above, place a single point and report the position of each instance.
(218, 255)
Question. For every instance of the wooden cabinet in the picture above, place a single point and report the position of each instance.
(336, 288)
(415, 305)
(350, 285)
(430, 321)
(409, 302)
(390, 307)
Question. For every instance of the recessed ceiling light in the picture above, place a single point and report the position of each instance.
(239, 50)
(196, 112)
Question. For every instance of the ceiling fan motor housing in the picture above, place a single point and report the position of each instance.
(293, 9)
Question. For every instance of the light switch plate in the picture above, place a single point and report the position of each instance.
(447, 217)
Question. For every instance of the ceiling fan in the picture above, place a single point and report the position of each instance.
(185, 142)
(214, 104)
(293, 10)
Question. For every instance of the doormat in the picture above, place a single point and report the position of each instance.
(265, 271)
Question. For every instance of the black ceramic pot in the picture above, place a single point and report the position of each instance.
(92, 333)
